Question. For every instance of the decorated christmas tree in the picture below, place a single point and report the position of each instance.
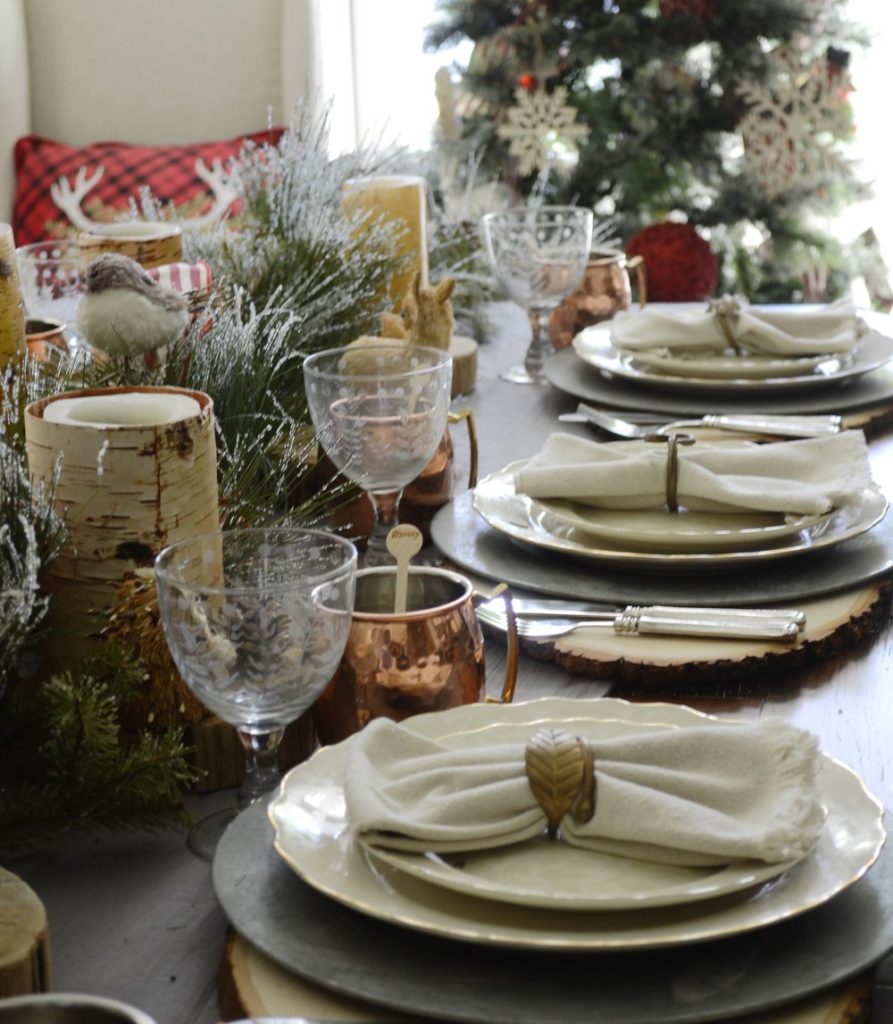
(731, 118)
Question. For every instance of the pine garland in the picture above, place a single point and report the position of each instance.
(293, 275)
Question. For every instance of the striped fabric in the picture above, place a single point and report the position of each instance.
(192, 279)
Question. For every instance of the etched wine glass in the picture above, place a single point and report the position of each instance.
(538, 254)
(256, 621)
(380, 411)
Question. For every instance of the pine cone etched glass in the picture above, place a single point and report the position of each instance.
(256, 622)
(380, 411)
(538, 254)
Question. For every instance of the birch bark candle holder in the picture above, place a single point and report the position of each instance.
(398, 198)
(151, 243)
(138, 471)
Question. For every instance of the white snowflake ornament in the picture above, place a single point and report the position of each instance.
(541, 128)
(794, 120)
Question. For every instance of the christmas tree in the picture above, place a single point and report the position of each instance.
(730, 117)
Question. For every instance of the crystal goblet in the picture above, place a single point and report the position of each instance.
(380, 411)
(256, 621)
(538, 254)
(53, 278)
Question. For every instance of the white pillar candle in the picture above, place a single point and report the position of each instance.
(130, 408)
(400, 198)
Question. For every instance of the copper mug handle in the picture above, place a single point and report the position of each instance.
(637, 263)
(468, 416)
(512, 659)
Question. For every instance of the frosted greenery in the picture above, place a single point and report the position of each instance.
(30, 531)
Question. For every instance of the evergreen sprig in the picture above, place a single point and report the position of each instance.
(293, 246)
(67, 766)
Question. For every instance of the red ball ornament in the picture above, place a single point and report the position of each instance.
(679, 265)
(527, 82)
(705, 9)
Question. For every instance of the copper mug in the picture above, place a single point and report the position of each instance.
(428, 659)
(45, 338)
(604, 291)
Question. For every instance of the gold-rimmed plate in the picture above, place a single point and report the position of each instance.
(533, 523)
(313, 838)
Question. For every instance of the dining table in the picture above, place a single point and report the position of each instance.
(133, 915)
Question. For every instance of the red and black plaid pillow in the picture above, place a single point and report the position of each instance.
(168, 171)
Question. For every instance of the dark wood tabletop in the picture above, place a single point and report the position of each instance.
(134, 917)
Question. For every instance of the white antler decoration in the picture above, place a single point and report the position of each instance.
(224, 193)
(68, 199)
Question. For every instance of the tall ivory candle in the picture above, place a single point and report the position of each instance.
(12, 312)
(400, 198)
(138, 472)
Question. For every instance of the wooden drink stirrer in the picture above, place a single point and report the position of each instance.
(403, 542)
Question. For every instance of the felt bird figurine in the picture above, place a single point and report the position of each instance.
(125, 312)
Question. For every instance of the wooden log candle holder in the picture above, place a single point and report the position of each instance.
(24, 939)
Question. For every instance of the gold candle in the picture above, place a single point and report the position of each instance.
(12, 311)
(399, 198)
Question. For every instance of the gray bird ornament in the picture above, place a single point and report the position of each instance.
(125, 312)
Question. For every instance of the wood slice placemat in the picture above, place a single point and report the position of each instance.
(24, 939)
(252, 985)
(832, 622)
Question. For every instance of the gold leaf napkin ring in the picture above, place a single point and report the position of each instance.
(672, 441)
(561, 772)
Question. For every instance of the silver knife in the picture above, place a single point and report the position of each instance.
(549, 608)
(781, 425)
(644, 621)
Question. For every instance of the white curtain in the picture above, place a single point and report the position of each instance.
(374, 69)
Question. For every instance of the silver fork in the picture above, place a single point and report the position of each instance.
(777, 426)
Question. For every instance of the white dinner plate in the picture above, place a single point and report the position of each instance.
(312, 836)
(594, 346)
(555, 876)
(654, 530)
(727, 365)
(532, 522)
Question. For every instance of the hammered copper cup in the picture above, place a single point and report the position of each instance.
(604, 291)
(429, 659)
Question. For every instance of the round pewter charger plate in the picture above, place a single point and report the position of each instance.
(464, 538)
(356, 955)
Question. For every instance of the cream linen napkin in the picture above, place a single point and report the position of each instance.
(695, 796)
(831, 329)
(805, 477)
